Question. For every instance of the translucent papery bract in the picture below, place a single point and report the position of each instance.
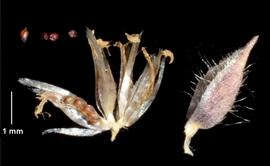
(105, 84)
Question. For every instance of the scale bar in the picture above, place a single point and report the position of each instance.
(11, 107)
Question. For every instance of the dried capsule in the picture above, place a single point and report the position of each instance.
(216, 92)
(118, 107)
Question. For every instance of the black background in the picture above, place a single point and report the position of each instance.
(189, 30)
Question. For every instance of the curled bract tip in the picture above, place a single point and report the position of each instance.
(145, 51)
(103, 44)
(117, 44)
(134, 38)
(168, 54)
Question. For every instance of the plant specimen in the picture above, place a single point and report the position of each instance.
(118, 106)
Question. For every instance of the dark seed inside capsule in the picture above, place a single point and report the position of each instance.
(79, 103)
(92, 116)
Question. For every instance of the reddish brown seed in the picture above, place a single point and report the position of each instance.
(87, 108)
(45, 36)
(24, 34)
(54, 36)
(72, 33)
(92, 116)
(79, 103)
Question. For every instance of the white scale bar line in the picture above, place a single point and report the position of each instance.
(11, 107)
